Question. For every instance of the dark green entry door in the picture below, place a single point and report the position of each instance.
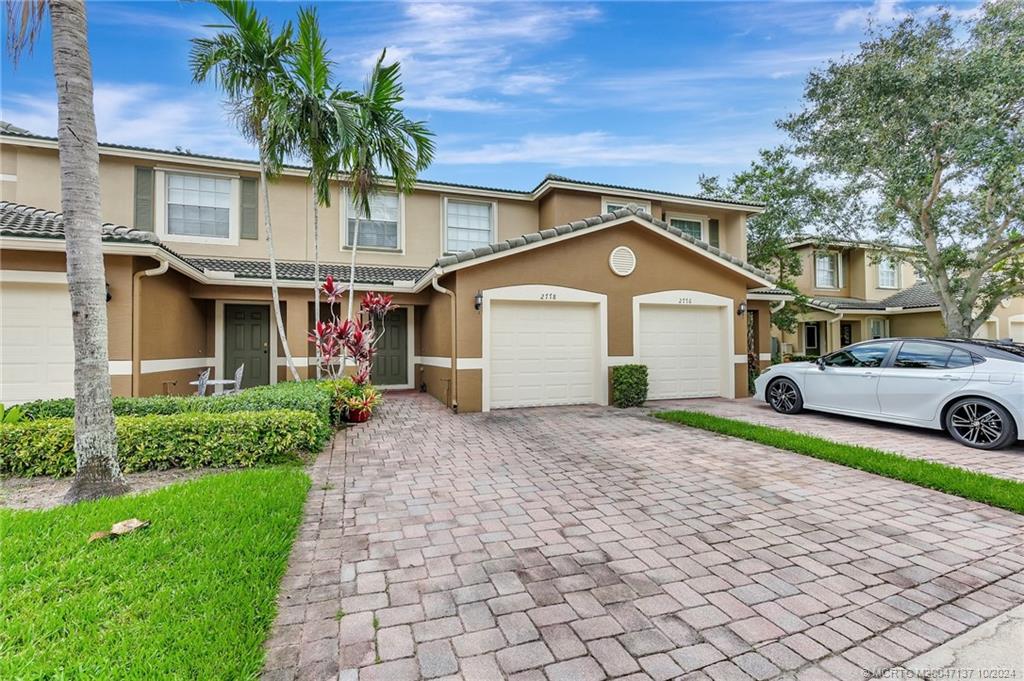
(247, 339)
(391, 364)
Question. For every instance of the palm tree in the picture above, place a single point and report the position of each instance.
(247, 62)
(382, 136)
(318, 125)
(98, 473)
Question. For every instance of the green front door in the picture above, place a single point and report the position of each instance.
(247, 340)
(391, 364)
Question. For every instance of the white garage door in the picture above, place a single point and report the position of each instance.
(37, 354)
(1017, 331)
(543, 353)
(682, 348)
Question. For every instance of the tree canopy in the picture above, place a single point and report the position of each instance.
(926, 124)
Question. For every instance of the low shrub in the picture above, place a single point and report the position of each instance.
(629, 385)
(302, 396)
(799, 358)
(157, 442)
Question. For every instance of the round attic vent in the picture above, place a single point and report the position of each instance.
(622, 261)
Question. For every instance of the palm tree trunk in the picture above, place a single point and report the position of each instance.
(351, 285)
(352, 268)
(273, 269)
(97, 471)
(316, 274)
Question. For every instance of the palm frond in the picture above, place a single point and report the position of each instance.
(24, 20)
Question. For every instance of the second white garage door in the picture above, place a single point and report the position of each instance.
(543, 353)
(37, 353)
(682, 348)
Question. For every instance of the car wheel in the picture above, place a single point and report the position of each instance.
(980, 423)
(784, 397)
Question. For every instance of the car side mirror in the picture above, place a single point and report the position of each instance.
(821, 363)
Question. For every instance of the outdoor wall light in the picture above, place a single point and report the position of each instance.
(478, 300)
(741, 310)
(109, 297)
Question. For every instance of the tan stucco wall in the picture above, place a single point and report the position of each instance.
(917, 324)
(1011, 319)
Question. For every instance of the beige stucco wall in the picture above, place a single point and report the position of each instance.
(917, 324)
(38, 184)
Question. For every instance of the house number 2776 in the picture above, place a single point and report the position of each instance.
(548, 296)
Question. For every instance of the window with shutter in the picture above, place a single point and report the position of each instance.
(713, 232)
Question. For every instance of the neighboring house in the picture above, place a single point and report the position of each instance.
(857, 294)
(530, 295)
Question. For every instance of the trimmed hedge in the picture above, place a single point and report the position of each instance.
(158, 442)
(629, 385)
(302, 396)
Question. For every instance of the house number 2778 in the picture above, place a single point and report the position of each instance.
(548, 296)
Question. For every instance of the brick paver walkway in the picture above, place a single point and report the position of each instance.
(589, 543)
(919, 443)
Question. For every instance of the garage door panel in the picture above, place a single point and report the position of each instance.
(37, 358)
(682, 348)
(542, 353)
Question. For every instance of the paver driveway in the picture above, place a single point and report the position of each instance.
(584, 543)
(919, 443)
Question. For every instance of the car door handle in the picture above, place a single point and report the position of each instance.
(949, 377)
(868, 374)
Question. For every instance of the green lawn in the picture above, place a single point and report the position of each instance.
(987, 489)
(192, 596)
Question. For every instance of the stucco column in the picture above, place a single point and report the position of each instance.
(297, 326)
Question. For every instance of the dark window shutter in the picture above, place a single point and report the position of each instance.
(249, 199)
(144, 198)
(713, 232)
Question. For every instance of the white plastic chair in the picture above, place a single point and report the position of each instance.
(203, 378)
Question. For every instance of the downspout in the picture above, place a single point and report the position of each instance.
(454, 349)
(137, 322)
(777, 306)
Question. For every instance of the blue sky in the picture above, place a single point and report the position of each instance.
(642, 94)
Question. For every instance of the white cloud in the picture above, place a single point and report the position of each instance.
(881, 11)
(140, 114)
(467, 57)
(599, 148)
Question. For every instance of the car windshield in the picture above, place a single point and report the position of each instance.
(870, 355)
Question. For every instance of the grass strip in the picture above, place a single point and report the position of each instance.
(988, 489)
(190, 597)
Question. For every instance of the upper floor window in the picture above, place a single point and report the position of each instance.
(826, 270)
(381, 228)
(198, 205)
(888, 273)
(468, 225)
(612, 204)
(688, 224)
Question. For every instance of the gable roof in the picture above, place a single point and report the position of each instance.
(185, 155)
(576, 227)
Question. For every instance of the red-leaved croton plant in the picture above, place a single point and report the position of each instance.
(339, 340)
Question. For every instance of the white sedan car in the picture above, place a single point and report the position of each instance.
(973, 389)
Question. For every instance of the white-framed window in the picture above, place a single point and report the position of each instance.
(381, 229)
(888, 273)
(610, 204)
(468, 224)
(694, 225)
(196, 207)
(878, 327)
(827, 270)
(810, 336)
